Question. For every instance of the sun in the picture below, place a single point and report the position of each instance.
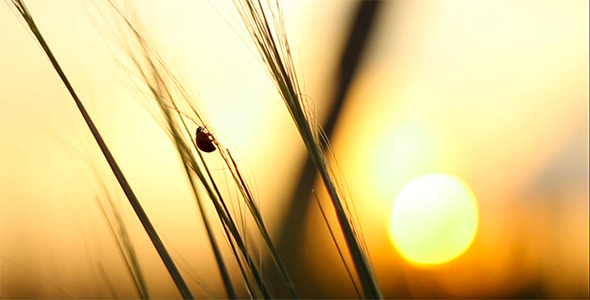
(434, 219)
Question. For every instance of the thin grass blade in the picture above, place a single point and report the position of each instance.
(142, 216)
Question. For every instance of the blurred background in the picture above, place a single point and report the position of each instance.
(460, 129)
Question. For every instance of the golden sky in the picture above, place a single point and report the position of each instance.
(494, 93)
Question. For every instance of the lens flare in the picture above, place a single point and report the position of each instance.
(434, 219)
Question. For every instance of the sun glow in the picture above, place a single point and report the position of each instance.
(434, 219)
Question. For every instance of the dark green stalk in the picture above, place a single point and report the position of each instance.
(142, 216)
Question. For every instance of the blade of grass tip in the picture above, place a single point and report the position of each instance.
(274, 49)
(142, 216)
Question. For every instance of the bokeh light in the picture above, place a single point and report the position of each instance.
(434, 219)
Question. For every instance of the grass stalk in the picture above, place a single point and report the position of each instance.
(161, 84)
(266, 28)
(182, 148)
(121, 235)
(154, 74)
(340, 254)
(247, 195)
(142, 216)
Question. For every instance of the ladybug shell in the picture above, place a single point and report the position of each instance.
(204, 140)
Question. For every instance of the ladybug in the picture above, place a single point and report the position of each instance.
(204, 140)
